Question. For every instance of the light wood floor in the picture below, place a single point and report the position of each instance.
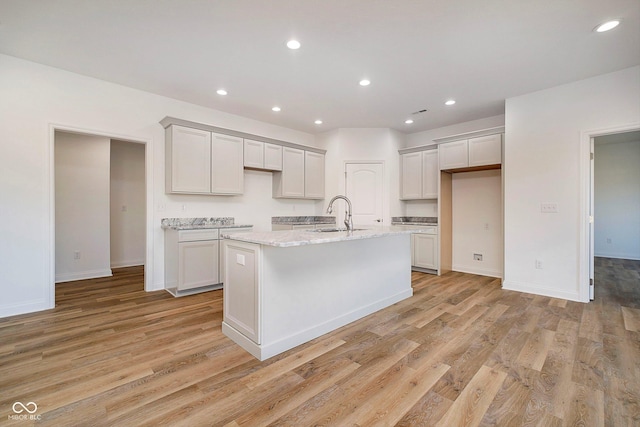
(460, 352)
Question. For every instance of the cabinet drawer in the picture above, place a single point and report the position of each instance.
(197, 235)
(428, 230)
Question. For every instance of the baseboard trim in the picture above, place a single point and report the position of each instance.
(530, 288)
(82, 275)
(130, 263)
(478, 271)
(619, 256)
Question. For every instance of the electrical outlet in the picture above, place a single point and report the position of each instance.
(477, 257)
(549, 207)
(539, 264)
(76, 255)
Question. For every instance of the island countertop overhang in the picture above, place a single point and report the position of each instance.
(290, 238)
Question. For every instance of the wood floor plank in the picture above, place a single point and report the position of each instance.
(475, 399)
(460, 351)
(534, 352)
(631, 318)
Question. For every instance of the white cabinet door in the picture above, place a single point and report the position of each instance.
(425, 251)
(188, 158)
(198, 264)
(227, 165)
(253, 154)
(272, 157)
(411, 176)
(430, 173)
(290, 182)
(313, 175)
(454, 155)
(241, 288)
(485, 150)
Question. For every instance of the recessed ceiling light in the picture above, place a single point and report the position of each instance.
(221, 92)
(276, 109)
(293, 44)
(408, 121)
(609, 25)
(364, 82)
(450, 102)
(318, 122)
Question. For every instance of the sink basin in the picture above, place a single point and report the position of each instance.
(334, 230)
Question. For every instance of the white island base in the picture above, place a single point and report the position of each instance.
(276, 298)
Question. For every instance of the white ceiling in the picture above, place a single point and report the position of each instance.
(417, 53)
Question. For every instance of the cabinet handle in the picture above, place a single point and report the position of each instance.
(379, 220)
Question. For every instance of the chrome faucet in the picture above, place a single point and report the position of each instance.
(348, 221)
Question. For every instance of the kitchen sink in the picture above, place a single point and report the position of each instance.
(334, 230)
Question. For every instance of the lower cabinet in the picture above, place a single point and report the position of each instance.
(198, 264)
(424, 251)
(192, 260)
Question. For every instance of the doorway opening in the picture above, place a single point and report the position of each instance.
(611, 201)
(100, 205)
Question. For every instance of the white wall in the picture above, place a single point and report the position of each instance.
(370, 144)
(543, 164)
(35, 97)
(127, 204)
(617, 200)
(477, 222)
(82, 206)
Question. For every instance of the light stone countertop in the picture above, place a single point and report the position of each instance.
(289, 238)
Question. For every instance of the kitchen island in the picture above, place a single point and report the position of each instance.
(285, 288)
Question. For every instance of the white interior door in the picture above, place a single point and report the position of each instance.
(364, 189)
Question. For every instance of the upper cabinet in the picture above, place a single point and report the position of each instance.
(227, 172)
(205, 159)
(202, 162)
(471, 153)
(485, 150)
(262, 155)
(188, 160)
(419, 175)
(313, 175)
(302, 175)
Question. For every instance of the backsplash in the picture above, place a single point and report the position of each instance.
(195, 222)
(414, 220)
(297, 220)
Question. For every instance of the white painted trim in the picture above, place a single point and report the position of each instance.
(475, 270)
(633, 257)
(536, 289)
(585, 195)
(127, 263)
(82, 275)
(263, 351)
(50, 176)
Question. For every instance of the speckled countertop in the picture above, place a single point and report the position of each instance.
(200, 223)
(302, 220)
(290, 238)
